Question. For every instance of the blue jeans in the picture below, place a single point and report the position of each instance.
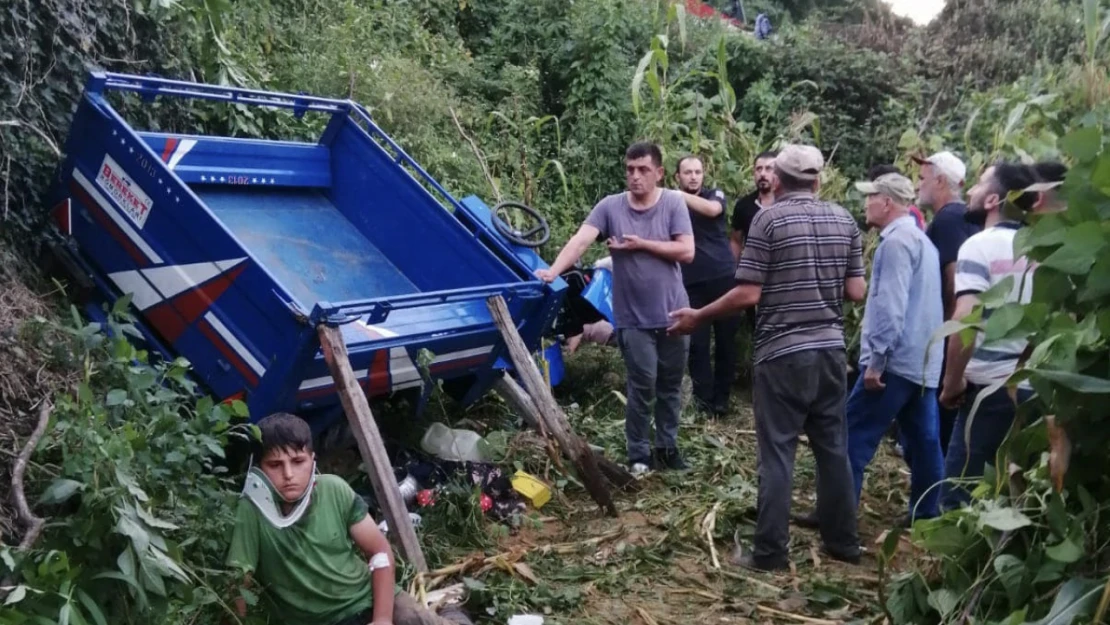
(870, 414)
(970, 452)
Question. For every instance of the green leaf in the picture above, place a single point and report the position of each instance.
(1076, 260)
(999, 294)
(239, 409)
(1075, 599)
(1002, 321)
(890, 543)
(1004, 519)
(941, 538)
(1075, 381)
(944, 601)
(473, 584)
(153, 521)
(60, 490)
(249, 597)
(152, 581)
(91, 607)
(1098, 281)
(1082, 144)
(1011, 572)
(1066, 551)
(16, 595)
(116, 397)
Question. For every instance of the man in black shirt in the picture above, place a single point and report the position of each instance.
(747, 206)
(706, 279)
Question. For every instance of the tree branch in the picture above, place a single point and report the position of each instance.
(477, 154)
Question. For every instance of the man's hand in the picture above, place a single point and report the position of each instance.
(546, 275)
(952, 393)
(685, 321)
(873, 380)
(628, 242)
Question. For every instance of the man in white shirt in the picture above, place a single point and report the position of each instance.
(984, 260)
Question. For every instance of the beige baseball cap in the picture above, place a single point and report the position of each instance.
(948, 164)
(803, 162)
(895, 186)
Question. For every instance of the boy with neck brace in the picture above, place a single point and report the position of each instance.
(306, 538)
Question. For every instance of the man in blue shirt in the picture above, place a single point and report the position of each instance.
(901, 365)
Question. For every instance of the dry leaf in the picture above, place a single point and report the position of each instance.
(525, 571)
(1059, 454)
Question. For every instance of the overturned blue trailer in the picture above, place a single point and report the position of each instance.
(232, 251)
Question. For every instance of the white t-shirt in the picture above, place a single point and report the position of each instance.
(986, 259)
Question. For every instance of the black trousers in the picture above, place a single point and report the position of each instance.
(713, 374)
(803, 392)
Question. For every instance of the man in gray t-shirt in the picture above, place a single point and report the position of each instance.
(649, 233)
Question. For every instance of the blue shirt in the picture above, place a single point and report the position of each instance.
(904, 306)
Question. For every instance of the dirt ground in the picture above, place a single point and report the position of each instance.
(664, 561)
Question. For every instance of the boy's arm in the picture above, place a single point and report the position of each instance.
(374, 545)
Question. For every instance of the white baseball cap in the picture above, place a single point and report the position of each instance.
(948, 164)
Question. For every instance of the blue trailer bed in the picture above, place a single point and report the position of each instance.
(233, 251)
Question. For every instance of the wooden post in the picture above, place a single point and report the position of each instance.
(518, 398)
(371, 447)
(574, 447)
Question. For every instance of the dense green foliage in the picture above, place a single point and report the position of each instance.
(536, 100)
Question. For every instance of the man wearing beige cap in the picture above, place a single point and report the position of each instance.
(900, 362)
(938, 187)
(800, 262)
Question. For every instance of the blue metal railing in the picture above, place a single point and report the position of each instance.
(151, 87)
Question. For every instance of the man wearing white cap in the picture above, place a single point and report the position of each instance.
(800, 262)
(939, 187)
(899, 360)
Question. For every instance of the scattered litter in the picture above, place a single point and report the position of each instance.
(536, 492)
(456, 445)
(417, 520)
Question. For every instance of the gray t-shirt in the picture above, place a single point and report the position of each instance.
(646, 288)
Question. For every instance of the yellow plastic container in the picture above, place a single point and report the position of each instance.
(531, 488)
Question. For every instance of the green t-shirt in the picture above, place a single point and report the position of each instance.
(311, 572)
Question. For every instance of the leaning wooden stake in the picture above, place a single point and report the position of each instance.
(518, 398)
(555, 421)
(371, 447)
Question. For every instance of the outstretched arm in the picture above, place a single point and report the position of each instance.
(570, 253)
(375, 547)
(698, 204)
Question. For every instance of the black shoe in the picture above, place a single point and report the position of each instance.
(670, 459)
(851, 556)
(808, 521)
(749, 561)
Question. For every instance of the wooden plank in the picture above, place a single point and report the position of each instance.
(548, 409)
(371, 447)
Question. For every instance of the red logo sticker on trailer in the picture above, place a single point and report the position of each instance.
(126, 193)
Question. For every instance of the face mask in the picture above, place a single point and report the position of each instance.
(261, 492)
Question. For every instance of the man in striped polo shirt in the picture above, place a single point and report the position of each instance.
(984, 260)
(801, 261)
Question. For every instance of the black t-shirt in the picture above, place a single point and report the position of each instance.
(949, 230)
(744, 212)
(713, 257)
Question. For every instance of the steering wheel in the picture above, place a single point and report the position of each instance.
(506, 213)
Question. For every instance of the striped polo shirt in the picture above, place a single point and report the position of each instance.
(986, 259)
(800, 250)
